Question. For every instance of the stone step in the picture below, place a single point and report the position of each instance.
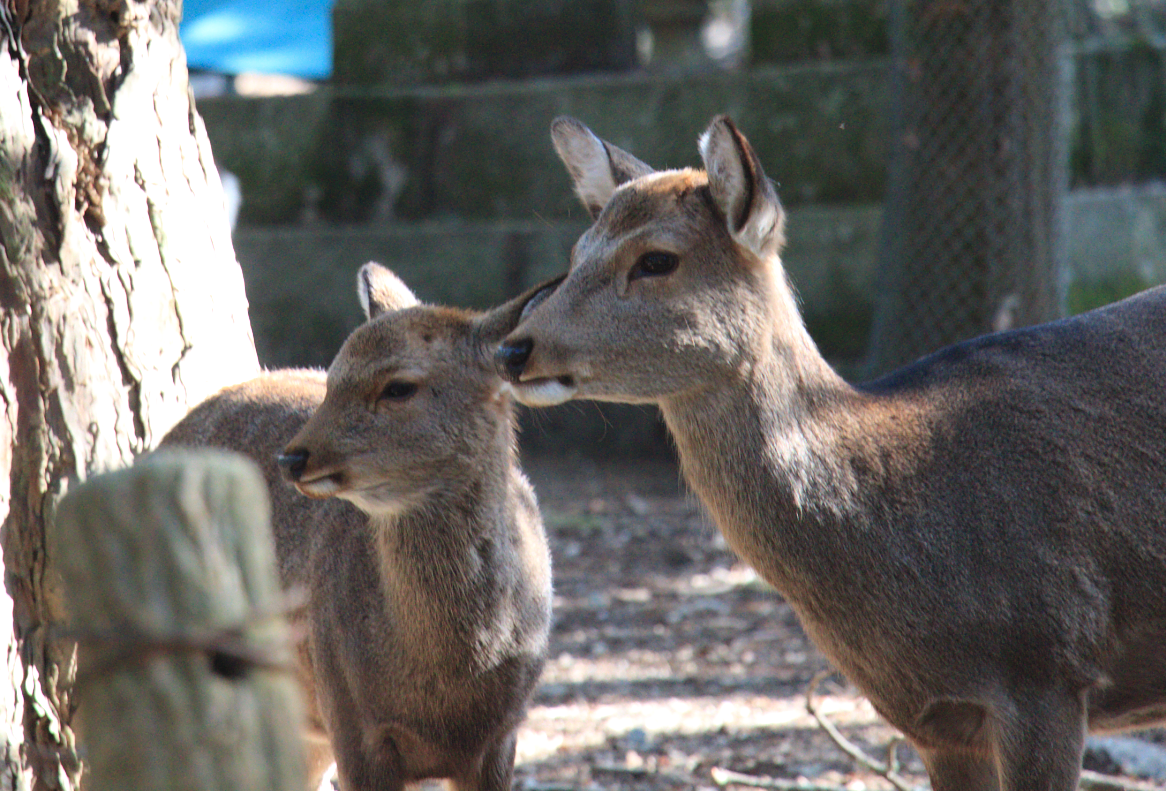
(301, 286)
(301, 280)
(483, 152)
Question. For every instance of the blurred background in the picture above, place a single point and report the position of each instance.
(949, 167)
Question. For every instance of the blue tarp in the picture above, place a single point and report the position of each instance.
(235, 36)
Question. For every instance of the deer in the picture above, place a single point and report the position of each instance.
(976, 540)
(419, 543)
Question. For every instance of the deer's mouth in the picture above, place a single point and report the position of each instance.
(545, 391)
(387, 499)
(321, 487)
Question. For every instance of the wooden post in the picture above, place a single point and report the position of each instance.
(170, 581)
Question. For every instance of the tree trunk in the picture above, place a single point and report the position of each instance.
(971, 236)
(122, 301)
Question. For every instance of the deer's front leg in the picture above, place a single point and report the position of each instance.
(495, 772)
(960, 770)
(1039, 746)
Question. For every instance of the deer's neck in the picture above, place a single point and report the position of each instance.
(447, 566)
(771, 452)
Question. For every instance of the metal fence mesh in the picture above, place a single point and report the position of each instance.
(971, 241)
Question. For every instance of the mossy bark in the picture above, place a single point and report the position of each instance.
(122, 304)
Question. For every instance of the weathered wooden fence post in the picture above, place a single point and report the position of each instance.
(170, 581)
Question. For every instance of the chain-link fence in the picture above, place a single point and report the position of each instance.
(971, 237)
(1120, 81)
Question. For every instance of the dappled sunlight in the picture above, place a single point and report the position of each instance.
(668, 655)
(583, 725)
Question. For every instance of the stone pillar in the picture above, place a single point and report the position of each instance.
(675, 26)
(442, 41)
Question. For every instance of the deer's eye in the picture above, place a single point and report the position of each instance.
(398, 390)
(655, 263)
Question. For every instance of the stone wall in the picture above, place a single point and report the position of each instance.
(301, 284)
(301, 281)
(484, 152)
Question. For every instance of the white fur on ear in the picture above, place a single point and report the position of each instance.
(380, 291)
(741, 189)
(597, 168)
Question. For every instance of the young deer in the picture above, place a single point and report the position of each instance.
(429, 602)
(977, 540)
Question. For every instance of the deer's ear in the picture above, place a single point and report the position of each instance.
(496, 324)
(597, 167)
(380, 291)
(741, 190)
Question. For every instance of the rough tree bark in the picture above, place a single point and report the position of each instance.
(122, 304)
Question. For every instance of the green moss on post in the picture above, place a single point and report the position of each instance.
(170, 581)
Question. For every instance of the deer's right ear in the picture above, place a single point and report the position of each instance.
(741, 190)
(380, 291)
(596, 167)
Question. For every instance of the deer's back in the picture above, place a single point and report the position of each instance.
(1033, 509)
(1058, 428)
(257, 418)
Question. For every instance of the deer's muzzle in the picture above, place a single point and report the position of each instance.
(512, 356)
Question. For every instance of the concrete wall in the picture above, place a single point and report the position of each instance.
(301, 280)
(1116, 240)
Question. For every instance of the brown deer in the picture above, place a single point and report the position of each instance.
(429, 601)
(977, 540)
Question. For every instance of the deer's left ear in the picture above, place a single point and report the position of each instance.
(741, 190)
(597, 167)
(380, 291)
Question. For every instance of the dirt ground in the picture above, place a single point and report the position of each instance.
(669, 657)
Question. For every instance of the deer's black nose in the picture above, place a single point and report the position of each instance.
(511, 357)
(293, 462)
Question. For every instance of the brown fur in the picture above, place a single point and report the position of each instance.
(429, 605)
(978, 540)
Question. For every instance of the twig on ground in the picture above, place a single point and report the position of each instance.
(726, 777)
(893, 753)
(1090, 781)
(887, 770)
